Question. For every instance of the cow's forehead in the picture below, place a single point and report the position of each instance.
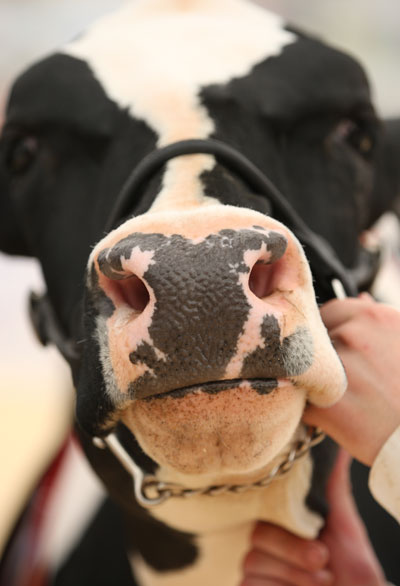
(154, 56)
(168, 63)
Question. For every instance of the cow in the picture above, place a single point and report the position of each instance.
(192, 176)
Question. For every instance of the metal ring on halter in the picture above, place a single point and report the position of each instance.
(114, 445)
(338, 289)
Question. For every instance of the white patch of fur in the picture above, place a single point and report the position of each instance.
(182, 186)
(111, 385)
(154, 56)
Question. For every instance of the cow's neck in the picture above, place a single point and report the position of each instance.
(219, 559)
(222, 527)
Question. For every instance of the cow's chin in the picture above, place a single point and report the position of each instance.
(217, 435)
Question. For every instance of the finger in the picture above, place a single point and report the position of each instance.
(331, 422)
(339, 486)
(343, 512)
(337, 311)
(358, 410)
(302, 553)
(329, 419)
(351, 555)
(260, 564)
(366, 297)
(257, 581)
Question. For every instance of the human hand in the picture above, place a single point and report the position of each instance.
(341, 556)
(366, 336)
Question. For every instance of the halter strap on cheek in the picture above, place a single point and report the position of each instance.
(48, 329)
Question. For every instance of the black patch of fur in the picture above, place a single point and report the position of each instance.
(281, 118)
(58, 79)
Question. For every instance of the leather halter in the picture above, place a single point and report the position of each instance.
(322, 258)
(325, 265)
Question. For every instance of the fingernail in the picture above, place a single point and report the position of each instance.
(317, 555)
(366, 296)
(324, 577)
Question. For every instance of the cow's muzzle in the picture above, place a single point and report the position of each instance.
(185, 311)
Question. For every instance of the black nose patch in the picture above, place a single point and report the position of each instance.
(200, 307)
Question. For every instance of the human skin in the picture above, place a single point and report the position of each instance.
(366, 336)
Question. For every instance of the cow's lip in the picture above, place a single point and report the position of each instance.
(263, 386)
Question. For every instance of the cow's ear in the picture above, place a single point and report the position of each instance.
(386, 194)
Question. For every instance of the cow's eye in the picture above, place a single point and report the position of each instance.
(21, 154)
(356, 134)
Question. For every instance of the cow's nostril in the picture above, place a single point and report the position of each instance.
(131, 291)
(262, 279)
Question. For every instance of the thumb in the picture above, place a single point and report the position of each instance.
(352, 559)
(343, 517)
(314, 415)
(329, 419)
(339, 486)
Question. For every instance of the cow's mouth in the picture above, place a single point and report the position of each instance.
(219, 427)
(263, 386)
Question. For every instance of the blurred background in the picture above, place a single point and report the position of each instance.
(35, 388)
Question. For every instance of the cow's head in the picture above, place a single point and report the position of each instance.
(201, 332)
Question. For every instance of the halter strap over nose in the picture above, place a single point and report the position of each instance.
(324, 263)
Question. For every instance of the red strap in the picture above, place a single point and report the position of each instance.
(22, 565)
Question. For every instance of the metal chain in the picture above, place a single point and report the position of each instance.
(150, 492)
(165, 490)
